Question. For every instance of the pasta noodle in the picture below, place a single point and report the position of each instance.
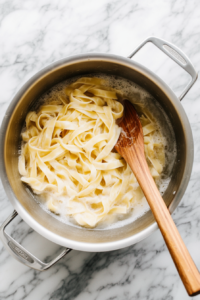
(67, 153)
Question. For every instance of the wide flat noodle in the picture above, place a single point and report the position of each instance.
(67, 153)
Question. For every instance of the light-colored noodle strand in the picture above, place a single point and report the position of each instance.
(67, 154)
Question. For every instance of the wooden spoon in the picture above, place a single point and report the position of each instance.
(131, 147)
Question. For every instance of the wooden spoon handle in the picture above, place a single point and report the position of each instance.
(187, 270)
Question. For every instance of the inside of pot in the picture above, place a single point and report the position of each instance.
(170, 122)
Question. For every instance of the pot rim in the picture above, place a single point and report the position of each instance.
(107, 246)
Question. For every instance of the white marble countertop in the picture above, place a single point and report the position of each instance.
(34, 33)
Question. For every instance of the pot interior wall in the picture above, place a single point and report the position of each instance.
(11, 149)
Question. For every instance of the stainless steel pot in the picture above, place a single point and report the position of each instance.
(21, 198)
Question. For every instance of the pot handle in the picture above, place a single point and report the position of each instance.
(23, 255)
(177, 55)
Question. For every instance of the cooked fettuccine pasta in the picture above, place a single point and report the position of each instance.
(67, 153)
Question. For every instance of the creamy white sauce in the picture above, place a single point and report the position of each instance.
(135, 94)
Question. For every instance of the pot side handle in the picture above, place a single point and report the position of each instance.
(23, 255)
(176, 55)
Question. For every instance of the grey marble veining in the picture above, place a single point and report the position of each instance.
(34, 33)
